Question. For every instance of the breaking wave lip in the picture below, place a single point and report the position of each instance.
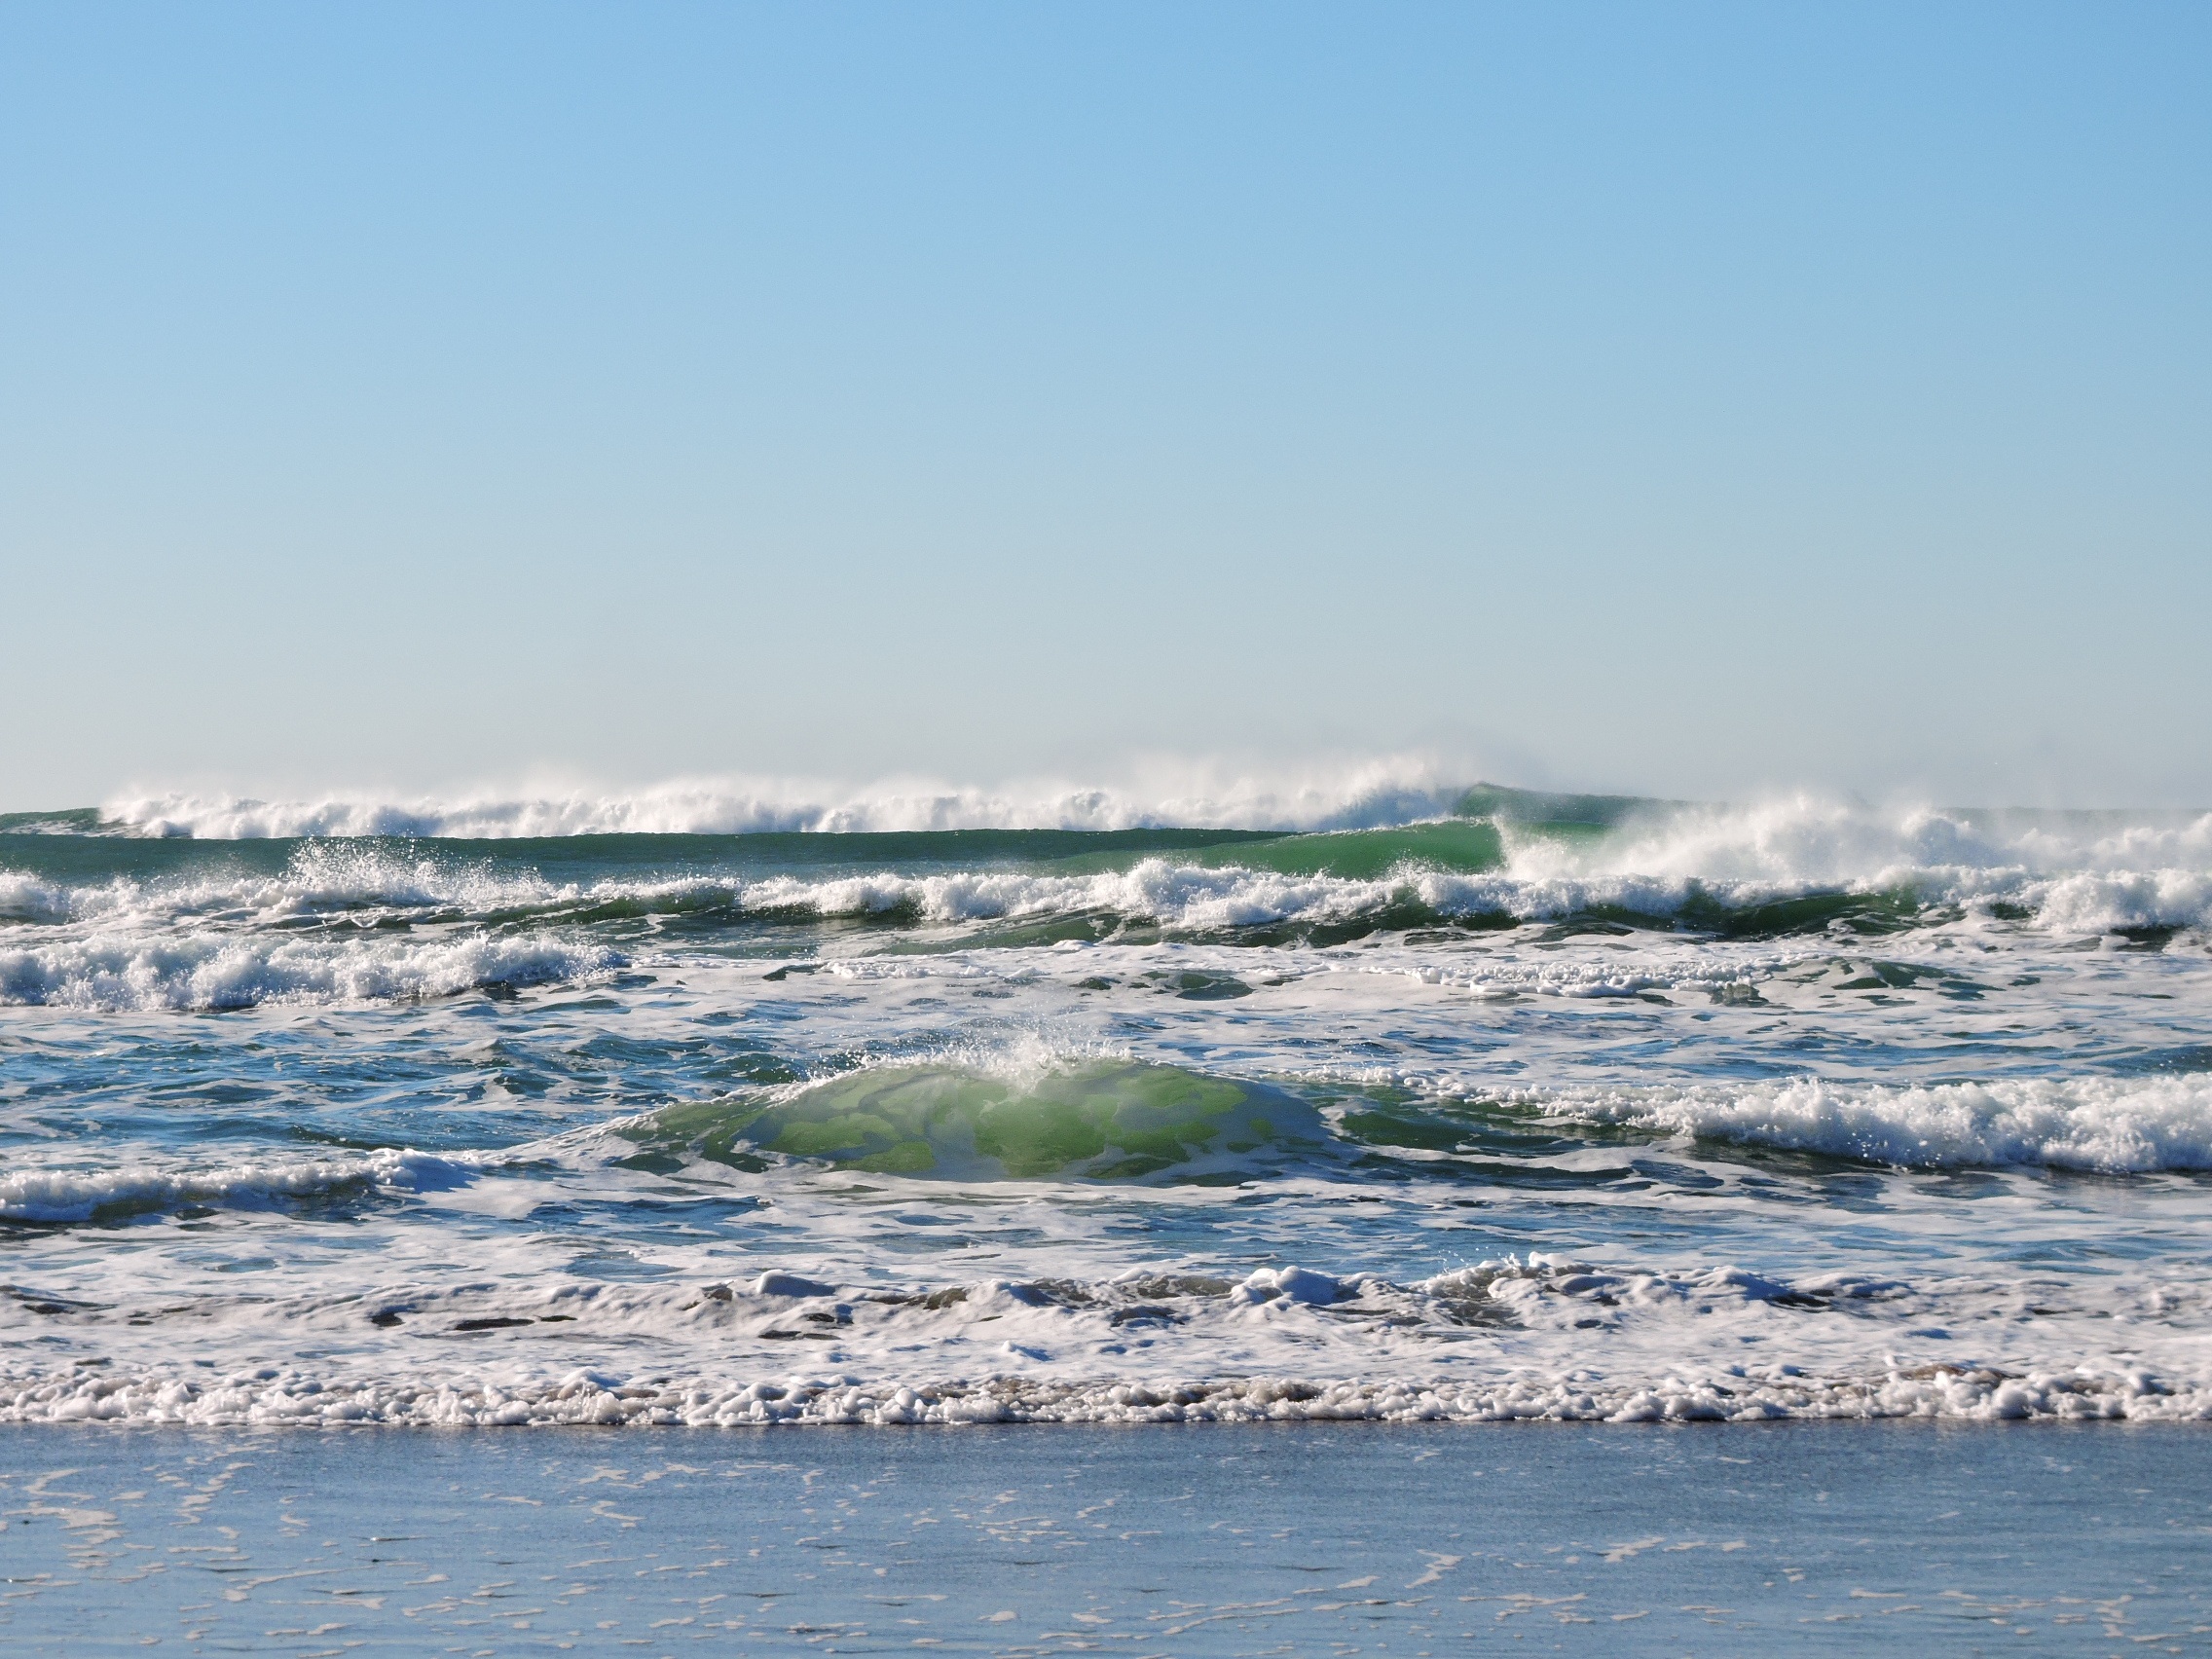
(2153, 868)
(1229, 896)
(27, 898)
(121, 973)
(1360, 796)
(320, 880)
(1785, 838)
(2073, 872)
(324, 880)
(59, 1196)
(2106, 1125)
(928, 1108)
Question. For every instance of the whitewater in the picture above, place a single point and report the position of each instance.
(1376, 1096)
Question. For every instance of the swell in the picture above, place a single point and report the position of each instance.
(1186, 897)
(1702, 871)
(126, 946)
(1024, 1115)
(121, 923)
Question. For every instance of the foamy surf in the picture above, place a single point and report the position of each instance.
(1384, 1102)
(238, 923)
(55, 1197)
(1506, 1340)
(2112, 1126)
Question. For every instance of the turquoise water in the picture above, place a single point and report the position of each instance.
(1533, 1106)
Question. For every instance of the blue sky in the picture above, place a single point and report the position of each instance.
(1687, 399)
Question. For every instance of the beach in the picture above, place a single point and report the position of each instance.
(1152, 831)
(1201, 1541)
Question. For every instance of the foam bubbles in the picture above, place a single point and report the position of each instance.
(1521, 1338)
(25, 897)
(2111, 1125)
(2078, 873)
(52, 1197)
(2085, 873)
(122, 972)
(1356, 797)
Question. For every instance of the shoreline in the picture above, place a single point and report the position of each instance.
(272, 1399)
(1409, 1539)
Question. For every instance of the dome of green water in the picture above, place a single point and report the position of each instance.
(1103, 1119)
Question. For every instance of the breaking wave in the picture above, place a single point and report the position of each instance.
(55, 1197)
(1350, 847)
(216, 970)
(2112, 1126)
(1353, 798)
(1030, 1114)
(1403, 878)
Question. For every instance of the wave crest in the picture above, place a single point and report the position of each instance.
(115, 975)
(2112, 1126)
(1364, 797)
(57, 1196)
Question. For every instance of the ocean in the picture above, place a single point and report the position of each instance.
(1407, 1104)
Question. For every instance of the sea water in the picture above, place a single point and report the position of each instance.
(1404, 1541)
(1410, 1104)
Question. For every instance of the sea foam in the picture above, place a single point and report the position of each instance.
(1543, 1338)
(118, 972)
(2084, 873)
(52, 1197)
(1356, 797)
(2111, 1125)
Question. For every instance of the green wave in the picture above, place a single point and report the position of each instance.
(1119, 1120)
(1131, 1120)
(1369, 854)
(1469, 847)
(1535, 809)
(1100, 1121)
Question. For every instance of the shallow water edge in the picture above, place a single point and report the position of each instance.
(1406, 1539)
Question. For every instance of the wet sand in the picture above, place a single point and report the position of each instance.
(1404, 1541)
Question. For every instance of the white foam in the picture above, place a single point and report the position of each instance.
(118, 972)
(1520, 1339)
(25, 897)
(62, 1196)
(1812, 839)
(1227, 896)
(325, 879)
(2109, 901)
(2111, 1124)
(2083, 874)
(319, 878)
(1354, 796)
(230, 939)
(272, 1395)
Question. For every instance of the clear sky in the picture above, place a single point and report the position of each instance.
(1677, 398)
